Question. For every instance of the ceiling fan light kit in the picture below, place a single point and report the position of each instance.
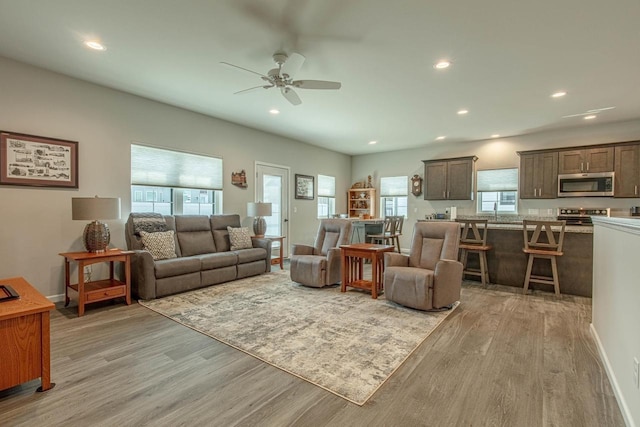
(282, 77)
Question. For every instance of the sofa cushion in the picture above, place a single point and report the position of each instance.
(217, 260)
(239, 238)
(194, 235)
(176, 267)
(161, 245)
(249, 255)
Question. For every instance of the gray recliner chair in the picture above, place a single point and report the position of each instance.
(319, 265)
(430, 277)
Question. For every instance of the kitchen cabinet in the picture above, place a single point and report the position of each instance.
(539, 175)
(598, 159)
(627, 171)
(449, 179)
(362, 202)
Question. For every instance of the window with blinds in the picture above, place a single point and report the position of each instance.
(326, 196)
(497, 190)
(393, 195)
(175, 182)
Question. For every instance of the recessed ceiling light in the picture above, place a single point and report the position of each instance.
(443, 63)
(274, 111)
(590, 117)
(495, 135)
(95, 45)
(440, 138)
(373, 142)
(559, 94)
(462, 112)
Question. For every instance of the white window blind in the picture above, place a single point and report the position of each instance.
(498, 180)
(326, 186)
(394, 186)
(166, 168)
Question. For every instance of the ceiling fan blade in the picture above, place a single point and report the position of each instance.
(291, 96)
(245, 69)
(293, 64)
(252, 89)
(316, 84)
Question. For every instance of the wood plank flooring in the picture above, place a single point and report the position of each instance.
(501, 359)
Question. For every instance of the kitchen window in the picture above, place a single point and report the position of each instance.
(175, 182)
(498, 191)
(393, 195)
(326, 196)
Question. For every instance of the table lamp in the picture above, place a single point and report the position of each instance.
(258, 210)
(96, 234)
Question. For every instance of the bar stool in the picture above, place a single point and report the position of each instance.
(473, 239)
(543, 243)
(391, 232)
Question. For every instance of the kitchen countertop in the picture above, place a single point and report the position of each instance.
(516, 225)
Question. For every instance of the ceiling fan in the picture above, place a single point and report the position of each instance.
(282, 77)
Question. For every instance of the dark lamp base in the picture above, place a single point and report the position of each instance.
(96, 237)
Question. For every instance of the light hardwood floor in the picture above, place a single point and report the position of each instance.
(501, 359)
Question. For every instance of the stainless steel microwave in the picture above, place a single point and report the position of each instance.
(585, 184)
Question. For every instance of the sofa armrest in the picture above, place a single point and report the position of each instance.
(447, 281)
(143, 276)
(392, 259)
(266, 245)
(298, 249)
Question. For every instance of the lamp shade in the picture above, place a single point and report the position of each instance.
(258, 209)
(90, 208)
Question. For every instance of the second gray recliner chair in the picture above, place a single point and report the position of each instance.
(320, 265)
(430, 277)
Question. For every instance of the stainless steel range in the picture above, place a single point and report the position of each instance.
(581, 216)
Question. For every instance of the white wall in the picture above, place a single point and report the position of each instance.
(616, 296)
(36, 223)
(493, 154)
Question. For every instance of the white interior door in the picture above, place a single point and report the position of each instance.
(272, 186)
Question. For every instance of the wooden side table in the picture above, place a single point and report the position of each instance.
(280, 258)
(99, 290)
(352, 266)
(24, 333)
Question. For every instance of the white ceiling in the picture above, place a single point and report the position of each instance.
(508, 57)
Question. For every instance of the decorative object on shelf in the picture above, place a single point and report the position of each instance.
(38, 161)
(258, 210)
(96, 236)
(416, 185)
(369, 184)
(304, 187)
(239, 179)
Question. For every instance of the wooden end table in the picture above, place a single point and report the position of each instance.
(99, 290)
(280, 259)
(25, 351)
(352, 266)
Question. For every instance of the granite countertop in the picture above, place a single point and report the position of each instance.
(516, 224)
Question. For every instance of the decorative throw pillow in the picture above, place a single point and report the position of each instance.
(239, 238)
(161, 244)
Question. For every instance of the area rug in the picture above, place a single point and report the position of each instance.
(346, 343)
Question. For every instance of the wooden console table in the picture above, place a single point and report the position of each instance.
(352, 268)
(24, 337)
(99, 290)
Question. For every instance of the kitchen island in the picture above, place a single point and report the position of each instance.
(508, 264)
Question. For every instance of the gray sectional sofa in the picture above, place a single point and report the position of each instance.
(203, 256)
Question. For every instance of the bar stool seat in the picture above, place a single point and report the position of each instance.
(544, 242)
(473, 240)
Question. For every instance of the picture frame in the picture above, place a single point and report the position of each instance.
(304, 187)
(38, 161)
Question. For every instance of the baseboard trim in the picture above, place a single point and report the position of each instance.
(626, 414)
(56, 298)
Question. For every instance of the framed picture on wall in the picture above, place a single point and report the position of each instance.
(38, 161)
(304, 187)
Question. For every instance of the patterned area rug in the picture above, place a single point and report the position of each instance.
(346, 343)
